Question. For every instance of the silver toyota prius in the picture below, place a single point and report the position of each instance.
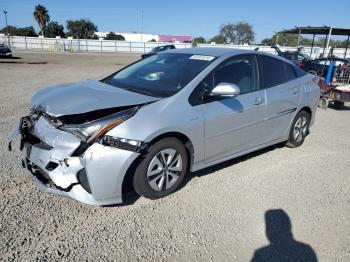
(151, 123)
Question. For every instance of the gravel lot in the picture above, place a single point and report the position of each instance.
(217, 215)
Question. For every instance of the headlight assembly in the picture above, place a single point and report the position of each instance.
(123, 143)
(89, 132)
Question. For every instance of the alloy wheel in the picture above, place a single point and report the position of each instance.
(300, 129)
(164, 169)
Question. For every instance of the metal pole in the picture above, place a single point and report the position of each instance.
(277, 38)
(142, 25)
(329, 37)
(299, 37)
(324, 45)
(7, 28)
(312, 45)
(347, 46)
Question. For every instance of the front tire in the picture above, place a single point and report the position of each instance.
(299, 129)
(162, 170)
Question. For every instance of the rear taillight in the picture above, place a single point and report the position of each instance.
(301, 64)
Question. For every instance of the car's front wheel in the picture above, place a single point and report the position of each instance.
(162, 170)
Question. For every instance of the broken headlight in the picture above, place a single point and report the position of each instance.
(89, 132)
(123, 143)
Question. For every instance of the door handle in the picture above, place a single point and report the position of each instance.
(258, 101)
(295, 90)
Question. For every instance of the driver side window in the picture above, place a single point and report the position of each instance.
(240, 70)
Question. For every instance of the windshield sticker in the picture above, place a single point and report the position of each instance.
(202, 57)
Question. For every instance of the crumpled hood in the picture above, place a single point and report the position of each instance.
(85, 96)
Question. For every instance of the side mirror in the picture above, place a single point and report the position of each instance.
(224, 90)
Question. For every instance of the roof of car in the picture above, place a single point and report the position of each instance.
(212, 51)
(221, 51)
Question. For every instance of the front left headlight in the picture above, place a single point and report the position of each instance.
(89, 132)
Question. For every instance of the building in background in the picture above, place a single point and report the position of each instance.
(138, 37)
(175, 38)
(131, 37)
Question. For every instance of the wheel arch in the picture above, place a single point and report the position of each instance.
(127, 181)
(307, 109)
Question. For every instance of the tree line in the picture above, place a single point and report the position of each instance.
(230, 33)
(81, 28)
(292, 40)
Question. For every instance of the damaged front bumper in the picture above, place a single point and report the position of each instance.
(95, 177)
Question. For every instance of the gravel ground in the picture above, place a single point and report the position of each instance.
(217, 215)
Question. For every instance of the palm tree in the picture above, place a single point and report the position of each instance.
(41, 15)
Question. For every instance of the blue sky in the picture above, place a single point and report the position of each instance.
(196, 18)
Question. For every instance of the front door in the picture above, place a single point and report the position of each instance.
(234, 124)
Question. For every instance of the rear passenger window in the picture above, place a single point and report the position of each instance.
(291, 74)
(274, 72)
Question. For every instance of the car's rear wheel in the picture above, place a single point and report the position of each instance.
(162, 170)
(299, 129)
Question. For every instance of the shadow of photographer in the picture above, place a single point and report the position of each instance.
(282, 247)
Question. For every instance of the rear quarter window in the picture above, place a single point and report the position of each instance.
(298, 71)
(274, 72)
(291, 74)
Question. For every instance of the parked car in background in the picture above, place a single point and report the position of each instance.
(151, 123)
(157, 50)
(320, 66)
(5, 51)
(294, 56)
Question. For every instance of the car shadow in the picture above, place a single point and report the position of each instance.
(217, 167)
(10, 58)
(130, 196)
(283, 246)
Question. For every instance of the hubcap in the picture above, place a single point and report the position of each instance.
(164, 169)
(300, 129)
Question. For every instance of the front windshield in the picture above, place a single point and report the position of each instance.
(161, 75)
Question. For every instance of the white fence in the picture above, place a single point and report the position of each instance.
(89, 45)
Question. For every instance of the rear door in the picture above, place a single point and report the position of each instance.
(283, 95)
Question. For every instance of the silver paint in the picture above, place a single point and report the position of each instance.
(85, 96)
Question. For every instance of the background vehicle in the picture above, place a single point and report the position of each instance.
(294, 56)
(5, 51)
(154, 121)
(320, 66)
(157, 50)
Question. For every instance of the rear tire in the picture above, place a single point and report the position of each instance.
(162, 170)
(299, 129)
